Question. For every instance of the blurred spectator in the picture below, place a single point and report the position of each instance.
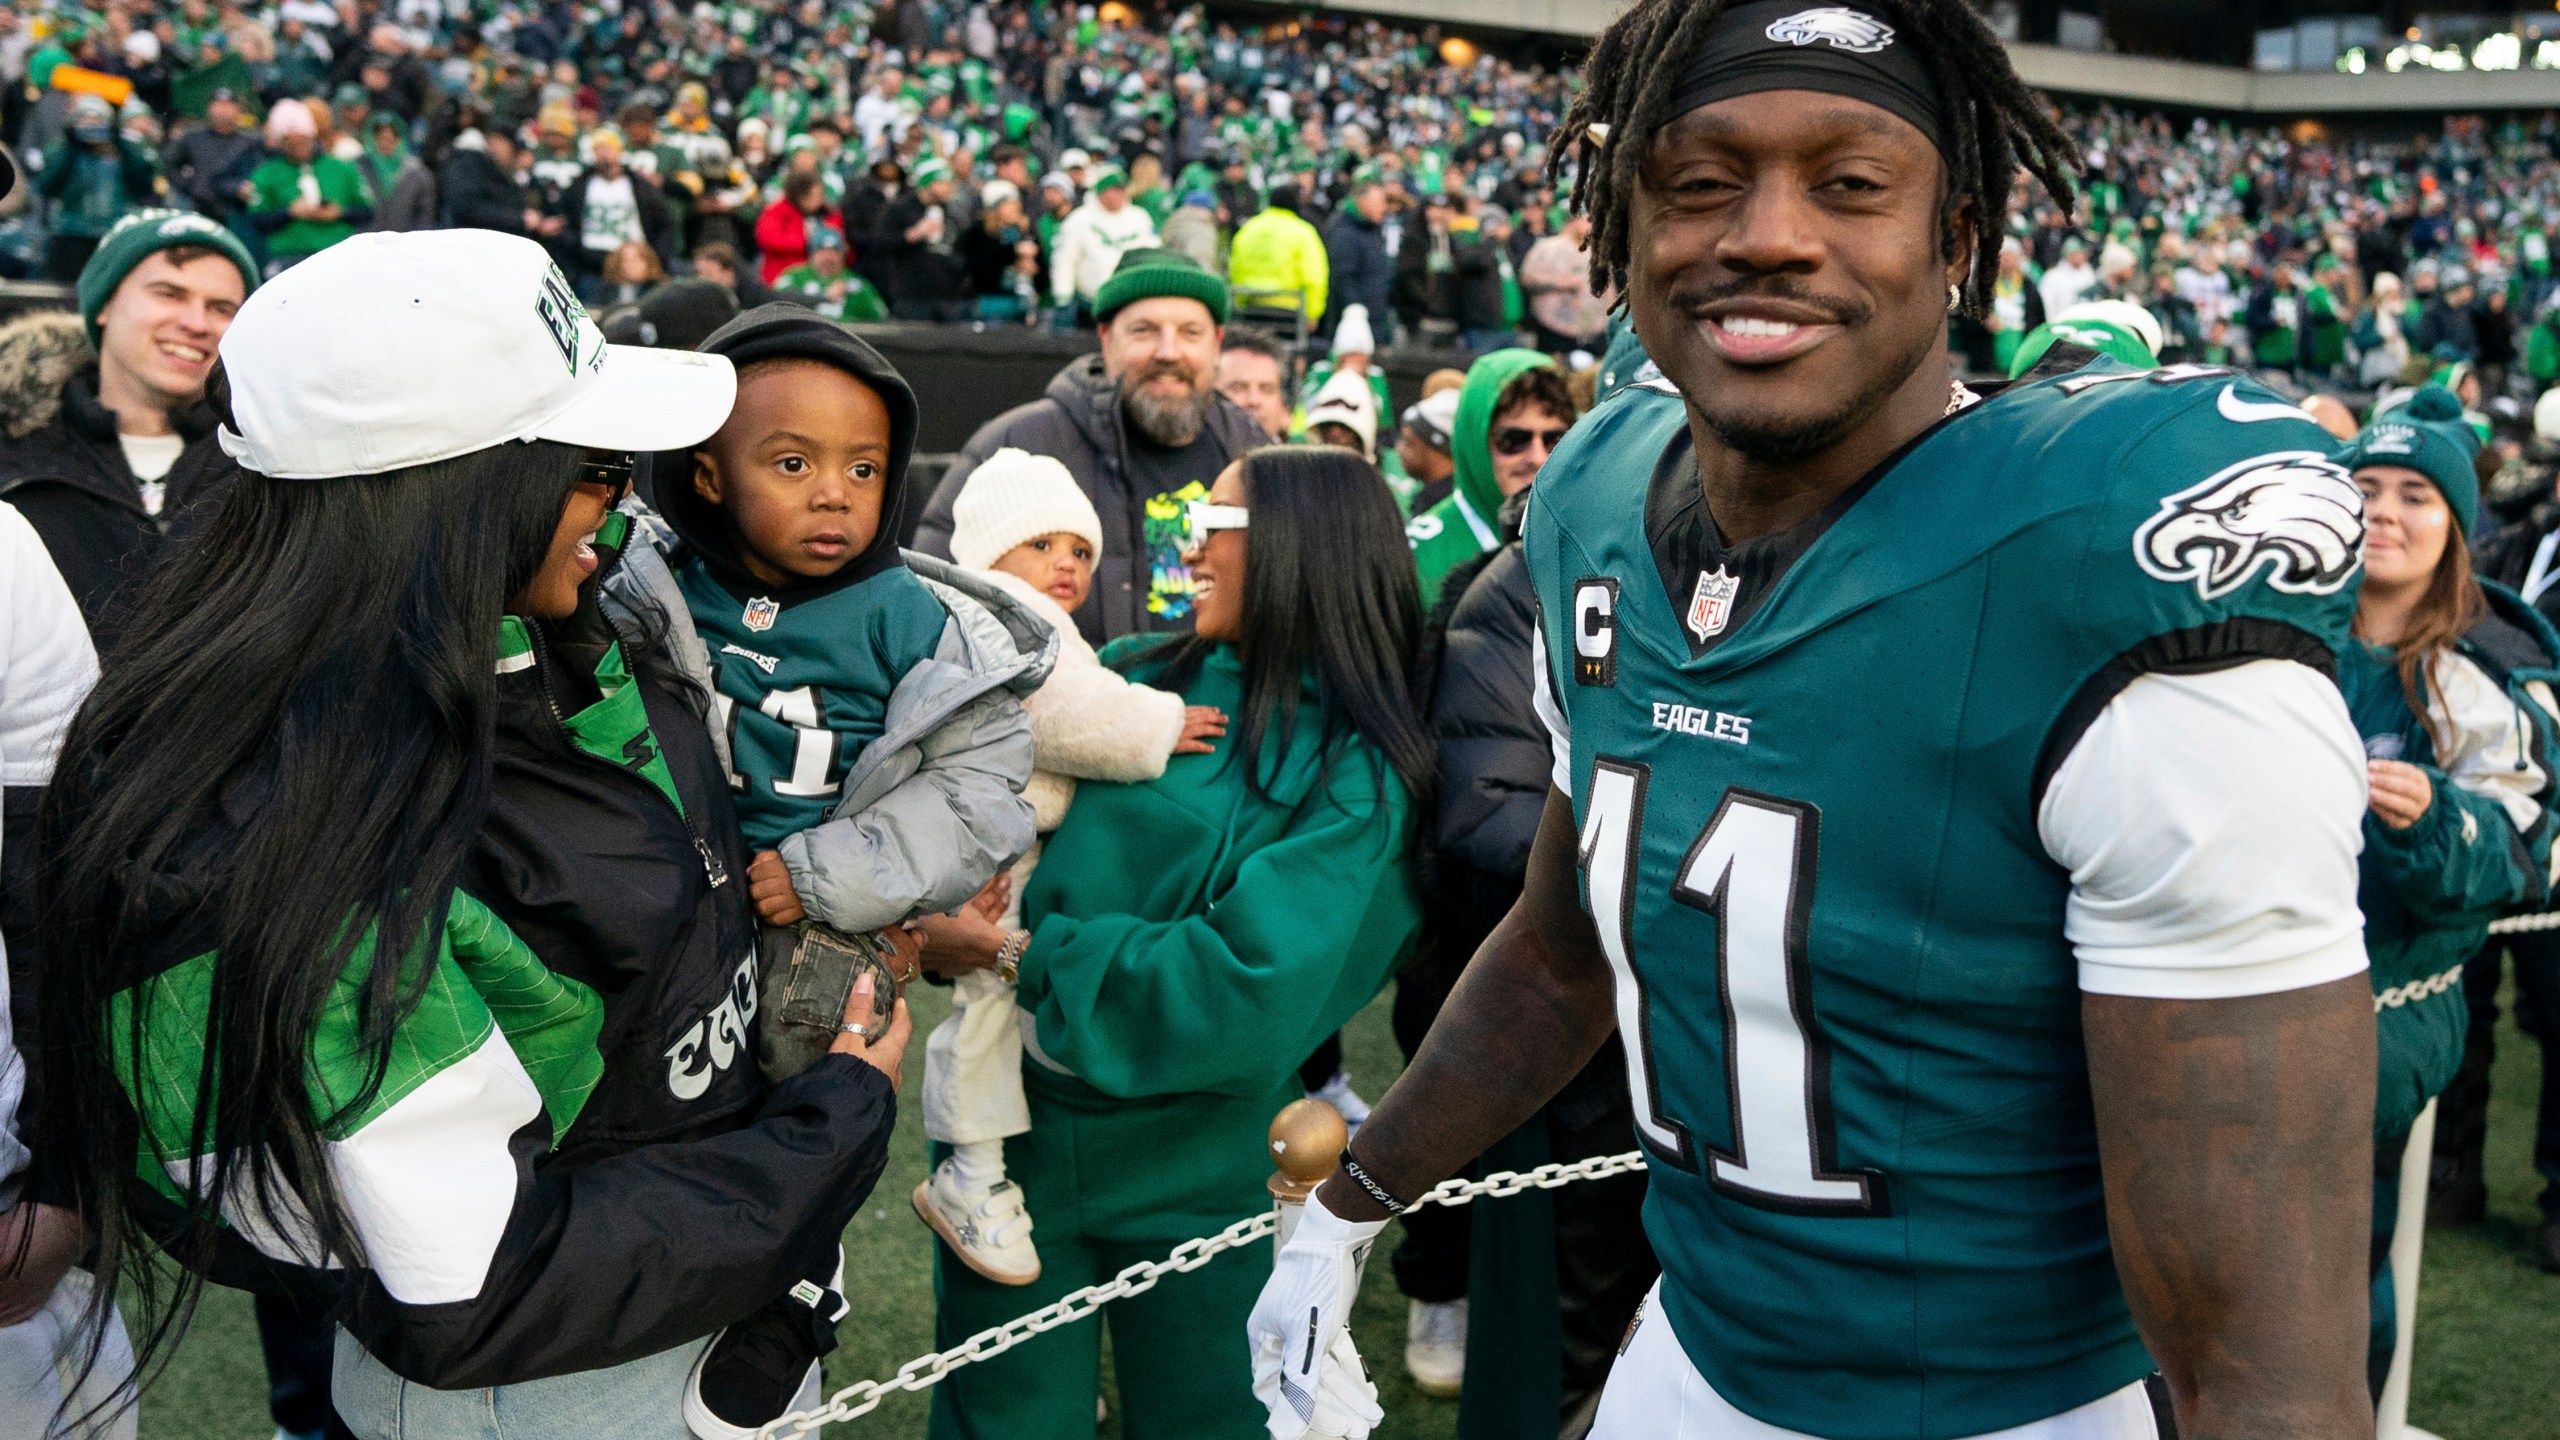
(2446, 329)
(1563, 312)
(1192, 229)
(610, 207)
(918, 250)
(2069, 279)
(1253, 371)
(1426, 268)
(629, 273)
(210, 164)
(1001, 254)
(788, 229)
(719, 264)
(481, 189)
(1358, 269)
(94, 178)
(1093, 238)
(1276, 263)
(1485, 291)
(404, 190)
(824, 283)
(301, 200)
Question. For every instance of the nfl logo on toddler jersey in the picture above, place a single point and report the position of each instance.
(761, 613)
(1712, 605)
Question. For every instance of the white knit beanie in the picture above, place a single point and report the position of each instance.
(1013, 497)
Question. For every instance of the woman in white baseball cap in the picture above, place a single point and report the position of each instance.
(373, 711)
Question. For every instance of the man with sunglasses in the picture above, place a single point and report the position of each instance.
(1512, 413)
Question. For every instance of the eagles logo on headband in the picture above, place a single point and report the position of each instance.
(1835, 49)
(1837, 26)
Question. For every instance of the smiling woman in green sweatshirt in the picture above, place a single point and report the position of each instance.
(1192, 938)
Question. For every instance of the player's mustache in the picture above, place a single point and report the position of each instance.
(1842, 311)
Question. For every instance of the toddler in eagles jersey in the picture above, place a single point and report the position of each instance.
(867, 702)
(1022, 522)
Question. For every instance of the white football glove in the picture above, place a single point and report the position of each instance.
(1305, 1370)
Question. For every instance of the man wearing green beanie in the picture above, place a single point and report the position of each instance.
(105, 459)
(1142, 428)
(1513, 411)
(1154, 274)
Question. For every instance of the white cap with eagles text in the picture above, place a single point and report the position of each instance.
(391, 350)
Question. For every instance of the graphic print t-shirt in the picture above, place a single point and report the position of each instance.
(1171, 479)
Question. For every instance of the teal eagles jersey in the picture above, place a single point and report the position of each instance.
(803, 684)
(1811, 851)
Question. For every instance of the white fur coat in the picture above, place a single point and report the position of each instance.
(1087, 722)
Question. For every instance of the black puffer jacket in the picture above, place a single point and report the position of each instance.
(1494, 771)
(1079, 424)
(68, 476)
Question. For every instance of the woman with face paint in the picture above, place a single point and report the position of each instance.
(2449, 687)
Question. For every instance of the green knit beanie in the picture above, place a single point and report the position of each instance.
(139, 234)
(1148, 274)
(2428, 435)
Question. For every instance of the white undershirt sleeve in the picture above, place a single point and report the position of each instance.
(1542, 698)
(2211, 824)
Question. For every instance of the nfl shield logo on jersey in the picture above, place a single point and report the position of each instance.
(761, 613)
(1712, 605)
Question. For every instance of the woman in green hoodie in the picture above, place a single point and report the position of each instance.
(1463, 526)
(2449, 684)
(1191, 939)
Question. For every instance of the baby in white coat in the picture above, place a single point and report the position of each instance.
(1024, 522)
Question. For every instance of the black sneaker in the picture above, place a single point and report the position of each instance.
(2547, 1249)
(749, 1374)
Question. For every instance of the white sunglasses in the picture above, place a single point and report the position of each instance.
(1207, 518)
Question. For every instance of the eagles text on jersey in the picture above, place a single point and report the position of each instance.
(1811, 851)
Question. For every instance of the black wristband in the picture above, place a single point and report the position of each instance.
(1367, 1182)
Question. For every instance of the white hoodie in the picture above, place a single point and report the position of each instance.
(1088, 722)
(1090, 242)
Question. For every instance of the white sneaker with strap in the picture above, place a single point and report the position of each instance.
(987, 1227)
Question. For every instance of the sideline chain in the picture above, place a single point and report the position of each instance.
(926, 1371)
(2525, 924)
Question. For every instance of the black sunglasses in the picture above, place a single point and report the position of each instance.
(608, 468)
(1512, 439)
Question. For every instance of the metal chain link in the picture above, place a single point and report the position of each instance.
(2417, 990)
(926, 1371)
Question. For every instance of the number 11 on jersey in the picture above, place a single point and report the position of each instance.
(1752, 868)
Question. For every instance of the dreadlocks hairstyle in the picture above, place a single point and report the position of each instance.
(1994, 124)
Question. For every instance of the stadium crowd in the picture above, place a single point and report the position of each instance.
(1245, 216)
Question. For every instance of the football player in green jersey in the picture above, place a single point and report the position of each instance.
(1955, 811)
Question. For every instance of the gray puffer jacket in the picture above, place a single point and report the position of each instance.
(931, 809)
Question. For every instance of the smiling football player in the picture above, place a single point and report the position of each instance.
(1953, 807)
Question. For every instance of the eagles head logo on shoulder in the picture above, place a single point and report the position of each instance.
(1837, 26)
(2291, 514)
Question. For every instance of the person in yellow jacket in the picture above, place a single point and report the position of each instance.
(1277, 261)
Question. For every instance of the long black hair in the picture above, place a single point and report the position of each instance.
(1994, 124)
(287, 756)
(1329, 588)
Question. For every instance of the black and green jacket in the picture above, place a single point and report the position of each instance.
(572, 1160)
(2482, 849)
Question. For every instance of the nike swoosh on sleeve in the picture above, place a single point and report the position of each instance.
(2243, 411)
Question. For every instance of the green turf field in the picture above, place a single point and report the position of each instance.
(2488, 1336)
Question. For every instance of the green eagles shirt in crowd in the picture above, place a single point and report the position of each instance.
(804, 676)
(858, 302)
(1876, 1194)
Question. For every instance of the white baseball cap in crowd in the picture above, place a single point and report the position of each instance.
(397, 349)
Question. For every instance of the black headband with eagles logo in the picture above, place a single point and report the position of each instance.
(1834, 49)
